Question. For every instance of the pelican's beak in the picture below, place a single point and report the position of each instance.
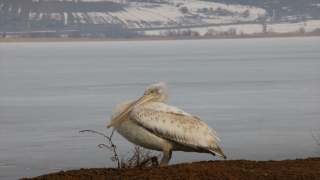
(124, 114)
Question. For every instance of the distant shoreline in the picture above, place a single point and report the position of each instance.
(275, 35)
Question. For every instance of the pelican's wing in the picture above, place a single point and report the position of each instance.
(172, 123)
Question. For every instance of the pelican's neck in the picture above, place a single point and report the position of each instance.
(119, 109)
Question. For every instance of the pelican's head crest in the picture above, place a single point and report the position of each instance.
(159, 91)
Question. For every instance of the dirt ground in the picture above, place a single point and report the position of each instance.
(233, 169)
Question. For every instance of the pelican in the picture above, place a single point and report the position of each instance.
(152, 124)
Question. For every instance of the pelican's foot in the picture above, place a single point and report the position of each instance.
(164, 164)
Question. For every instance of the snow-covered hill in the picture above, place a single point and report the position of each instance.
(163, 13)
(167, 14)
(152, 17)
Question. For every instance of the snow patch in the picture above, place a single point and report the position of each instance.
(65, 18)
(32, 15)
(39, 16)
(81, 18)
(102, 18)
(55, 16)
(294, 27)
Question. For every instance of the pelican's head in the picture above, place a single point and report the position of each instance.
(159, 92)
(154, 93)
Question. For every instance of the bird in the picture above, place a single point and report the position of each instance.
(150, 123)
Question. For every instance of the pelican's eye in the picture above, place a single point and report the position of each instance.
(152, 91)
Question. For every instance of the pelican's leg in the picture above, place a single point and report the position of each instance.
(166, 157)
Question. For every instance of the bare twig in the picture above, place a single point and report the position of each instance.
(140, 157)
(112, 146)
(318, 141)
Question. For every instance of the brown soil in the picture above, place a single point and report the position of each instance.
(233, 169)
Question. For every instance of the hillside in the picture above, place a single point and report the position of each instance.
(120, 18)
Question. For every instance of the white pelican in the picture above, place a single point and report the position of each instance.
(152, 124)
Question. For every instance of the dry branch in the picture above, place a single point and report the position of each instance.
(317, 140)
(140, 157)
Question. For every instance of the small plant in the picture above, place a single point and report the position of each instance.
(141, 157)
(317, 140)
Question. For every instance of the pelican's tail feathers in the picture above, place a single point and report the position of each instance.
(218, 151)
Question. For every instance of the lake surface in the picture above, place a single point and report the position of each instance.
(262, 96)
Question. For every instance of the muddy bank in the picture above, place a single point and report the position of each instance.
(233, 169)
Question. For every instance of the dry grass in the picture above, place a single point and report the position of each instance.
(140, 157)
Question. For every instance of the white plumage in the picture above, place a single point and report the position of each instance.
(152, 124)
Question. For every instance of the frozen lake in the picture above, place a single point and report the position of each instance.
(262, 96)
